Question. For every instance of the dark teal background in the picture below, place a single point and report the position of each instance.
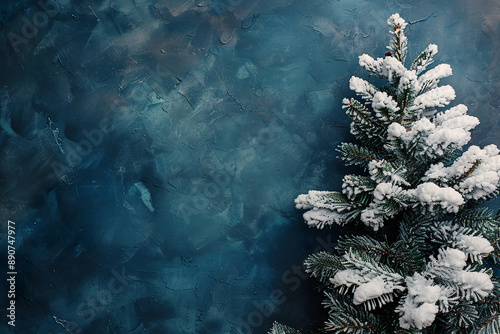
(151, 150)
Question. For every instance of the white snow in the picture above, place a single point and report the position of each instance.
(478, 169)
(422, 289)
(375, 214)
(372, 289)
(436, 172)
(449, 265)
(409, 81)
(320, 218)
(444, 136)
(431, 51)
(479, 186)
(424, 315)
(395, 130)
(460, 166)
(437, 97)
(351, 188)
(388, 188)
(475, 283)
(385, 67)
(362, 87)
(456, 118)
(370, 64)
(465, 239)
(303, 202)
(385, 190)
(474, 245)
(449, 129)
(419, 308)
(372, 216)
(377, 167)
(393, 68)
(315, 199)
(380, 101)
(455, 111)
(322, 211)
(430, 79)
(422, 125)
(398, 25)
(451, 257)
(349, 277)
(368, 284)
(429, 194)
(396, 20)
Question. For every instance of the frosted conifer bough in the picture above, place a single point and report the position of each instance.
(403, 118)
(425, 254)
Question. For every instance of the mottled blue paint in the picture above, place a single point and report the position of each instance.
(197, 124)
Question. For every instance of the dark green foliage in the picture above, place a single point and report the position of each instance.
(367, 264)
(323, 266)
(478, 218)
(367, 261)
(361, 188)
(399, 255)
(489, 312)
(486, 222)
(407, 331)
(344, 317)
(377, 250)
(365, 127)
(341, 203)
(353, 154)
(282, 329)
(423, 60)
(413, 231)
(422, 266)
(461, 318)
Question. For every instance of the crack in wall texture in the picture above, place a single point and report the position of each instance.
(151, 151)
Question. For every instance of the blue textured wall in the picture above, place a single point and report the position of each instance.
(151, 151)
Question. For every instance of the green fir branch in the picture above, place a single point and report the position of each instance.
(344, 317)
(363, 244)
(323, 266)
(353, 154)
(481, 218)
(282, 329)
(405, 241)
(423, 60)
(365, 126)
(363, 261)
(461, 318)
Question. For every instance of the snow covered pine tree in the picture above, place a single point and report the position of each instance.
(422, 263)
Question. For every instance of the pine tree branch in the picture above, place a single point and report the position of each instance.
(282, 329)
(430, 277)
